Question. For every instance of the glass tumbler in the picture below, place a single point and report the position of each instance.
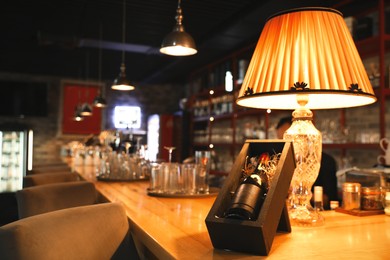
(202, 159)
(188, 171)
(155, 178)
(172, 181)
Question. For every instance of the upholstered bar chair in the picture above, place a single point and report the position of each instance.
(48, 178)
(49, 169)
(99, 231)
(44, 198)
(50, 164)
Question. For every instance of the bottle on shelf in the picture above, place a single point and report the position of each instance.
(318, 198)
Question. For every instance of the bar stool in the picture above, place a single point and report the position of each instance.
(47, 178)
(49, 169)
(98, 231)
(44, 198)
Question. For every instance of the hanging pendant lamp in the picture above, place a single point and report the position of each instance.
(77, 116)
(178, 42)
(86, 109)
(99, 100)
(121, 82)
(77, 110)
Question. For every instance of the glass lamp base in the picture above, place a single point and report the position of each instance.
(305, 216)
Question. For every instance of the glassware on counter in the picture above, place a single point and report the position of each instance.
(371, 198)
(170, 150)
(386, 202)
(122, 167)
(202, 158)
(351, 196)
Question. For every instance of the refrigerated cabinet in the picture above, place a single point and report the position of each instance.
(14, 158)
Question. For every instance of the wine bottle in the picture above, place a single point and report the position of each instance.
(250, 193)
(247, 200)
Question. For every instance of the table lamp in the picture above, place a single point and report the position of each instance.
(305, 59)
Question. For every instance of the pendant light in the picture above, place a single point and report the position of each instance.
(77, 110)
(99, 100)
(178, 42)
(86, 109)
(121, 82)
(77, 115)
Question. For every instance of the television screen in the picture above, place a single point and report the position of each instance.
(22, 99)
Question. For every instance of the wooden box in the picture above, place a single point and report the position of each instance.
(248, 236)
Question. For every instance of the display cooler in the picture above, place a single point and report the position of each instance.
(15, 156)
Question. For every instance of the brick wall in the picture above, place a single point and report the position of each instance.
(48, 139)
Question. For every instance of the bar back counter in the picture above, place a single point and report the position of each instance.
(174, 228)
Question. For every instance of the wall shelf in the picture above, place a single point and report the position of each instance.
(375, 46)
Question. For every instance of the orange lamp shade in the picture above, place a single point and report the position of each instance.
(306, 51)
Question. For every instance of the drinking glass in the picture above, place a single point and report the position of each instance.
(170, 150)
(202, 159)
(172, 181)
(188, 172)
(156, 178)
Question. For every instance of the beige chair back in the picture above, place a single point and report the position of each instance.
(44, 198)
(87, 232)
(48, 178)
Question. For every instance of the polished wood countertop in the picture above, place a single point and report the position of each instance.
(174, 228)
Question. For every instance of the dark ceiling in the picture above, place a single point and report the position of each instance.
(65, 38)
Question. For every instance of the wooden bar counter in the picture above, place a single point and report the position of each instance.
(174, 228)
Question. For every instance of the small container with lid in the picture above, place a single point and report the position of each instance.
(386, 202)
(371, 198)
(351, 195)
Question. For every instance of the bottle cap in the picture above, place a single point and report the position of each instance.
(334, 204)
(317, 193)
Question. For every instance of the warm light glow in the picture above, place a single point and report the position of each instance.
(127, 117)
(211, 92)
(178, 51)
(311, 46)
(305, 59)
(153, 137)
(122, 87)
(30, 150)
(78, 118)
(100, 105)
(86, 110)
(228, 81)
(178, 42)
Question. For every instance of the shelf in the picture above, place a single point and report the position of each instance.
(350, 145)
(222, 117)
(386, 91)
(249, 112)
(218, 173)
(239, 113)
(201, 144)
(369, 47)
(221, 144)
(201, 119)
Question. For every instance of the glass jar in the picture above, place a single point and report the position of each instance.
(351, 195)
(386, 202)
(371, 198)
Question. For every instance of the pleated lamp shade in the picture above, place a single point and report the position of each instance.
(307, 51)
